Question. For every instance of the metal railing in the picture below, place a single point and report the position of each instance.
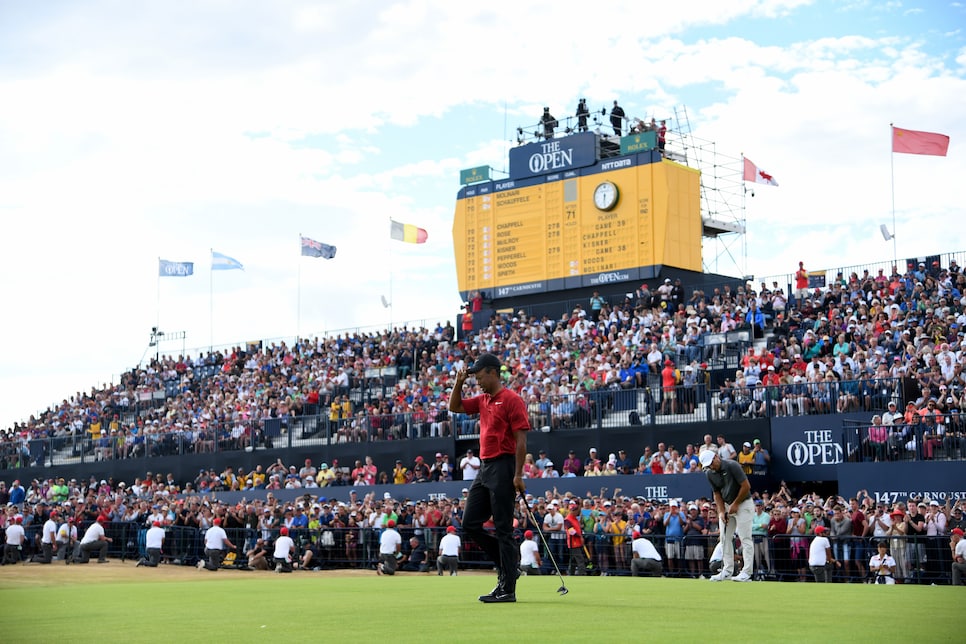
(612, 407)
(939, 436)
(779, 557)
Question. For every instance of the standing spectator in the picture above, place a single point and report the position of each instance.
(725, 449)
(390, 544)
(695, 529)
(669, 383)
(801, 285)
(553, 525)
(449, 552)
(820, 555)
(616, 118)
(759, 534)
(662, 136)
(153, 541)
(94, 540)
(503, 446)
(582, 114)
(548, 122)
(746, 458)
(470, 464)
(762, 458)
(575, 540)
(596, 304)
(840, 534)
(732, 496)
(673, 536)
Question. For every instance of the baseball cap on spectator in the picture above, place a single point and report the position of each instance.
(958, 531)
(390, 523)
(746, 444)
(819, 529)
(156, 524)
(217, 521)
(386, 495)
(692, 507)
(439, 455)
(934, 502)
(283, 531)
(795, 509)
(487, 360)
(451, 528)
(896, 513)
(529, 534)
(757, 441)
(674, 503)
(103, 519)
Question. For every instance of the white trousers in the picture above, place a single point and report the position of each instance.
(740, 523)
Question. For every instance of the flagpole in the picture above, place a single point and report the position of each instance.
(892, 173)
(211, 300)
(391, 268)
(298, 305)
(157, 315)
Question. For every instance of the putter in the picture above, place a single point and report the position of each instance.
(563, 587)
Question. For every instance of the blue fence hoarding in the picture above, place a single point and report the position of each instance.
(892, 482)
(809, 448)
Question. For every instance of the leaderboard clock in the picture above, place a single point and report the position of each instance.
(566, 220)
(605, 196)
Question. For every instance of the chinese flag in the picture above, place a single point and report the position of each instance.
(915, 142)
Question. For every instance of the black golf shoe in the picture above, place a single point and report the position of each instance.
(499, 598)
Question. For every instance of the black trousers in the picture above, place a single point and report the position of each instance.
(493, 494)
(154, 557)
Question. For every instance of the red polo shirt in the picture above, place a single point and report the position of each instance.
(500, 416)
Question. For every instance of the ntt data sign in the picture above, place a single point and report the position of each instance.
(554, 155)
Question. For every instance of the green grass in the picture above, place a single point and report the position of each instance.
(244, 607)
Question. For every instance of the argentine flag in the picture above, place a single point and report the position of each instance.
(221, 262)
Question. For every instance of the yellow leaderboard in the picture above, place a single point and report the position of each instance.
(616, 221)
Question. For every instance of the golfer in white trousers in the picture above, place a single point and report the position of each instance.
(732, 495)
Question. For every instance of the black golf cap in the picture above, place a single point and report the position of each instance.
(484, 361)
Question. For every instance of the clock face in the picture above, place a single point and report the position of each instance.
(605, 196)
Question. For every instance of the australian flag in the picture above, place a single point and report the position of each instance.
(312, 248)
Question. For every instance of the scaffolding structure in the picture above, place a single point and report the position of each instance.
(723, 191)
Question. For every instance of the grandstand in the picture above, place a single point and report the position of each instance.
(854, 385)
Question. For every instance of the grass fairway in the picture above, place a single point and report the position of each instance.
(120, 603)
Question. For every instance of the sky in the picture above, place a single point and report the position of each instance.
(133, 131)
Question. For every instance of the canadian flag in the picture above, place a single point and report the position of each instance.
(756, 174)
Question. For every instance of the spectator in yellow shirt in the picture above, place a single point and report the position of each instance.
(746, 458)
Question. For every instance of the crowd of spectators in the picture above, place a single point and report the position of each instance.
(684, 530)
(856, 344)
